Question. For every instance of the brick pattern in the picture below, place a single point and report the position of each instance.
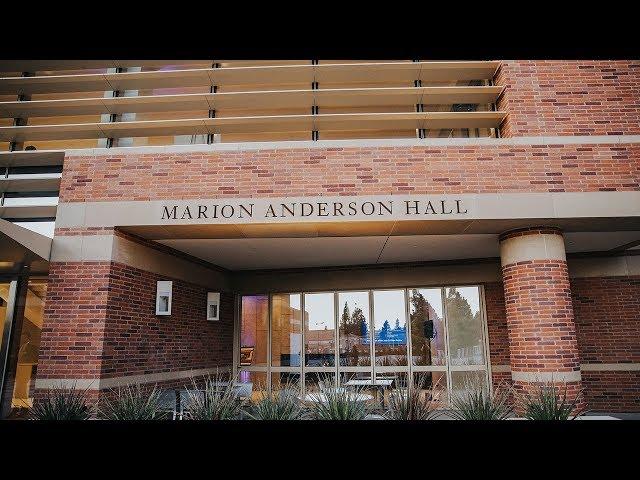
(540, 316)
(100, 322)
(352, 171)
(497, 330)
(612, 391)
(75, 315)
(542, 336)
(607, 315)
(139, 342)
(544, 98)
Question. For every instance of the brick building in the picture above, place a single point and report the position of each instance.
(288, 219)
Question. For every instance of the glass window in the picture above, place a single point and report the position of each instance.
(433, 384)
(29, 344)
(5, 288)
(390, 328)
(473, 379)
(254, 384)
(282, 380)
(320, 329)
(464, 325)
(254, 330)
(286, 330)
(353, 321)
(434, 317)
(318, 381)
(427, 327)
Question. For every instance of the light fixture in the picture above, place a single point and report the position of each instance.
(163, 297)
(213, 306)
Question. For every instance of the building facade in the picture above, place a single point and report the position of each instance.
(454, 221)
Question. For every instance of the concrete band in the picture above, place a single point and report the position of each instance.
(540, 377)
(399, 142)
(585, 367)
(114, 382)
(547, 207)
(532, 247)
(106, 383)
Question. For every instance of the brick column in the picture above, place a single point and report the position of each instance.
(542, 335)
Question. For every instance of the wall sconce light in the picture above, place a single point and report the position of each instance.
(164, 292)
(213, 306)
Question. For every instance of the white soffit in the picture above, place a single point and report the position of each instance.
(597, 241)
(265, 253)
(272, 253)
(422, 248)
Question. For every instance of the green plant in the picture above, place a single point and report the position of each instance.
(218, 400)
(337, 403)
(475, 402)
(548, 402)
(62, 403)
(415, 402)
(131, 403)
(281, 404)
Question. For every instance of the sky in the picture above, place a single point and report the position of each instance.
(388, 305)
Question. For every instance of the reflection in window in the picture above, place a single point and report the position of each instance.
(353, 318)
(318, 381)
(286, 330)
(319, 331)
(29, 344)
(465, 326)
(254, 384)
(390, 327)
(427, 327)
(474, 379)
(433, 384)
(285, 380)
(254, 329)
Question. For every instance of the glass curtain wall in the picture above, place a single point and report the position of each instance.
(434, 336)
(22, 373)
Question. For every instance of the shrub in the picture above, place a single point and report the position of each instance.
(131, 403)
(218, 400)
(549, 402)
(475, 402)
(334, 403)
(280, 404)
(62, 403)
(413, 402)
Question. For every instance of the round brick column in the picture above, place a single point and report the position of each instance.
(542, 336)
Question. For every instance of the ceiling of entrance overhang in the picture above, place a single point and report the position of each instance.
(269, 253)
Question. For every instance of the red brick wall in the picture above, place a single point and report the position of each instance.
(545, 98)
(540, 318)
(100, 322)
(74, 320)
(612, 391)
(498, 332)
(139, 342)
(607, 323)
(607, 316)
(351, 171)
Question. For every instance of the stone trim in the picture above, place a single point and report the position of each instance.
(399, 142)
(537, 377)
(115, 382)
